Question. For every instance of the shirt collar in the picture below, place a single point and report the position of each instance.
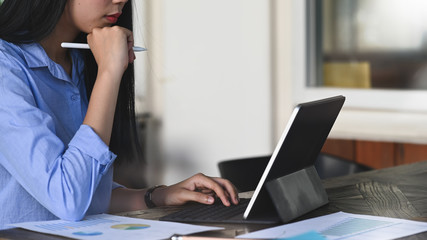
(36, 57)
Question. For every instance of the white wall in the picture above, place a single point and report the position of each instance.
(210, 83)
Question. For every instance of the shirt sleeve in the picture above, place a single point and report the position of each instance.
(61, 177)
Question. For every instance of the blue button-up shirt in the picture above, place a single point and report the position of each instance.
(51, 165)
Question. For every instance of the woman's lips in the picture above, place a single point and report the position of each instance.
(113, 17)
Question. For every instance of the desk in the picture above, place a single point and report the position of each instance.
(399, 192)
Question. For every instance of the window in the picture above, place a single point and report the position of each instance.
(393, 105)
(372, 51)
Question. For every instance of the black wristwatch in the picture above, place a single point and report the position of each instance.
(147, 197)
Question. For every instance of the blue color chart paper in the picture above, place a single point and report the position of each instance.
(105, 226)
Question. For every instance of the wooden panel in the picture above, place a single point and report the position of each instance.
(340, 148)
(375, 154)
(410, 153)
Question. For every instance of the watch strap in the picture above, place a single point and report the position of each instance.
(148, 196)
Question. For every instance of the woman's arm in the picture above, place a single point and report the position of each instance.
(112, 49)
(59, 170)
(34, 145)
(198, 188)
(125, 199)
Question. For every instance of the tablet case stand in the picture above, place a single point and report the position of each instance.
(297, 193)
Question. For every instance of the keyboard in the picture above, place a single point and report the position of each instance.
(216, 212)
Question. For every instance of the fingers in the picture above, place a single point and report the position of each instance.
(200, 197)
(112, 47)
(180, 193)
(230, 189)
(130, 42)
(222, 188)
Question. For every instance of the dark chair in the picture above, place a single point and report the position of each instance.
(329, 166)
(245, 173)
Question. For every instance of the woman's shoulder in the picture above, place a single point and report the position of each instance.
(10, 53)
(13, 65)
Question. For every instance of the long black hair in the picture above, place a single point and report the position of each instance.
(25, 21)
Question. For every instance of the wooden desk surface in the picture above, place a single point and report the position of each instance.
(399, 192)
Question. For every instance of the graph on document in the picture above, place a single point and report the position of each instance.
(61, 226)
(351, 226)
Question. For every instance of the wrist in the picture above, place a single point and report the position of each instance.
(150, 200)
(111, 74)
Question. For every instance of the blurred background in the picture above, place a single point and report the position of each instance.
(221, 78)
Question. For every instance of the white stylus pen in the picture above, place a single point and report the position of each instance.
(86, 46)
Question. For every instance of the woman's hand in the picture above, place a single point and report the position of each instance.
(198, 188)
(112, 49)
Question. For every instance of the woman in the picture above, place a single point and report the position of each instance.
(63, 118)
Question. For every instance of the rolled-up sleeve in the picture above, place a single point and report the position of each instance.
(62, 179)
(89, 145)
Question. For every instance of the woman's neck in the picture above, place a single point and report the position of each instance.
(63, 32)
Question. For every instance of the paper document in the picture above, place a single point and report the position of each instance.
(312, 235)
(345, 226)
(105, 226)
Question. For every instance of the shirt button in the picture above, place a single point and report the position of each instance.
(75, 97)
